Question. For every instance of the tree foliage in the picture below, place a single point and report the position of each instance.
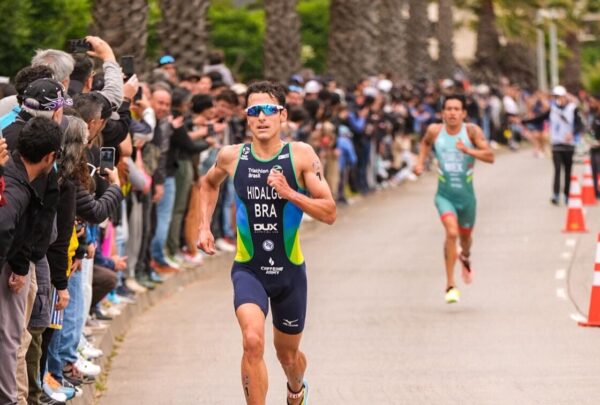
(239, 33)
(27, 25)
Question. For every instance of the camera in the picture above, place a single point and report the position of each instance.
(79, 46)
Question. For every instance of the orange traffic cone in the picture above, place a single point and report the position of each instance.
(588, 191)
(594, 314)
(575, 219)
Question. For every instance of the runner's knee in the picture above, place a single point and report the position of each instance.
(254, 345)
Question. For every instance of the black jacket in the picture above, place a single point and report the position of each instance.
(182, 148)
(96, 210)
(58, 252)
(17, 216)
(116, 131)
(46, 187)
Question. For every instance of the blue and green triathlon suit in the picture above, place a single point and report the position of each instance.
(269, 263)
(455, 194)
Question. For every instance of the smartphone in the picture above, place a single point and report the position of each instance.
(107, 159)
(211, 129)
(127, 63)
(138, 95)
(78, 46)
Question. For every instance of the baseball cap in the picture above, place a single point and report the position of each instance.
(559, 91)
(46, 95)
(312, 86)
(447, 83)
(165, 60)
(239, 88)
(385, 85)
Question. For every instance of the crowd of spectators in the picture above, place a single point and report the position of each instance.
(78, 239)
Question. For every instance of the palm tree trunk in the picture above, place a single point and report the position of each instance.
(282, 39)
(341, 42)
(183, 31)
(123, 26)
(487, 54)
(392, 54)
(419, 29)
(572, 66)
(368, 40)
(445, 36)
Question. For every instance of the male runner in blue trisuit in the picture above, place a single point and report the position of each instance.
(274, 183)
(456, 146)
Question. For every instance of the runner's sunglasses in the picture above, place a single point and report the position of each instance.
(267, 109)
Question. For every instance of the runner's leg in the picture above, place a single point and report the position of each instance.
(450, 251)
(292, 360)
(254, 370)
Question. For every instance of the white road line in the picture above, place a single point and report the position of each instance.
(565, 255)
(561, 293)
(561, 274)
(571, 242)
(578, 317)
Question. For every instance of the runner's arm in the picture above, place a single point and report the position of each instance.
(482, 150)
(426, 145)
(320, 205)
(209, 194)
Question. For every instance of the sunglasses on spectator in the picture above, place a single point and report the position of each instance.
(266, 109)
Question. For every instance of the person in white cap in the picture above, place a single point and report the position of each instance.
(564, 121)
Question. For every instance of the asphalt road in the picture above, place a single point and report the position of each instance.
(378, 329)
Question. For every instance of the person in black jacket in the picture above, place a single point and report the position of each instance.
(38, 146)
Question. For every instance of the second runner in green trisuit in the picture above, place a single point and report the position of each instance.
(457, 145)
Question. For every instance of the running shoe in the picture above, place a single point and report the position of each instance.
(87, 368)
(467, 271)
(173, 261)
(224, 246)
(55, 390)
(45, 399)
(87, 350)
(452, 295)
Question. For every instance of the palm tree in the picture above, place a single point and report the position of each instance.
(282, 39)
(445, 35)
(342, 41)
(183, 31)
(368, 41)
(123, 26)
(392, 51)
(419, 29)
(487, 54)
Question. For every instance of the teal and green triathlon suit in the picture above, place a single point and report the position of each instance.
(269, 264)
(455, 194)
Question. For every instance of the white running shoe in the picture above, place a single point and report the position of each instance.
(134, 286)
(452, 295)
(88, 350)
(87, 368)
(224, 246)
(191, 259)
